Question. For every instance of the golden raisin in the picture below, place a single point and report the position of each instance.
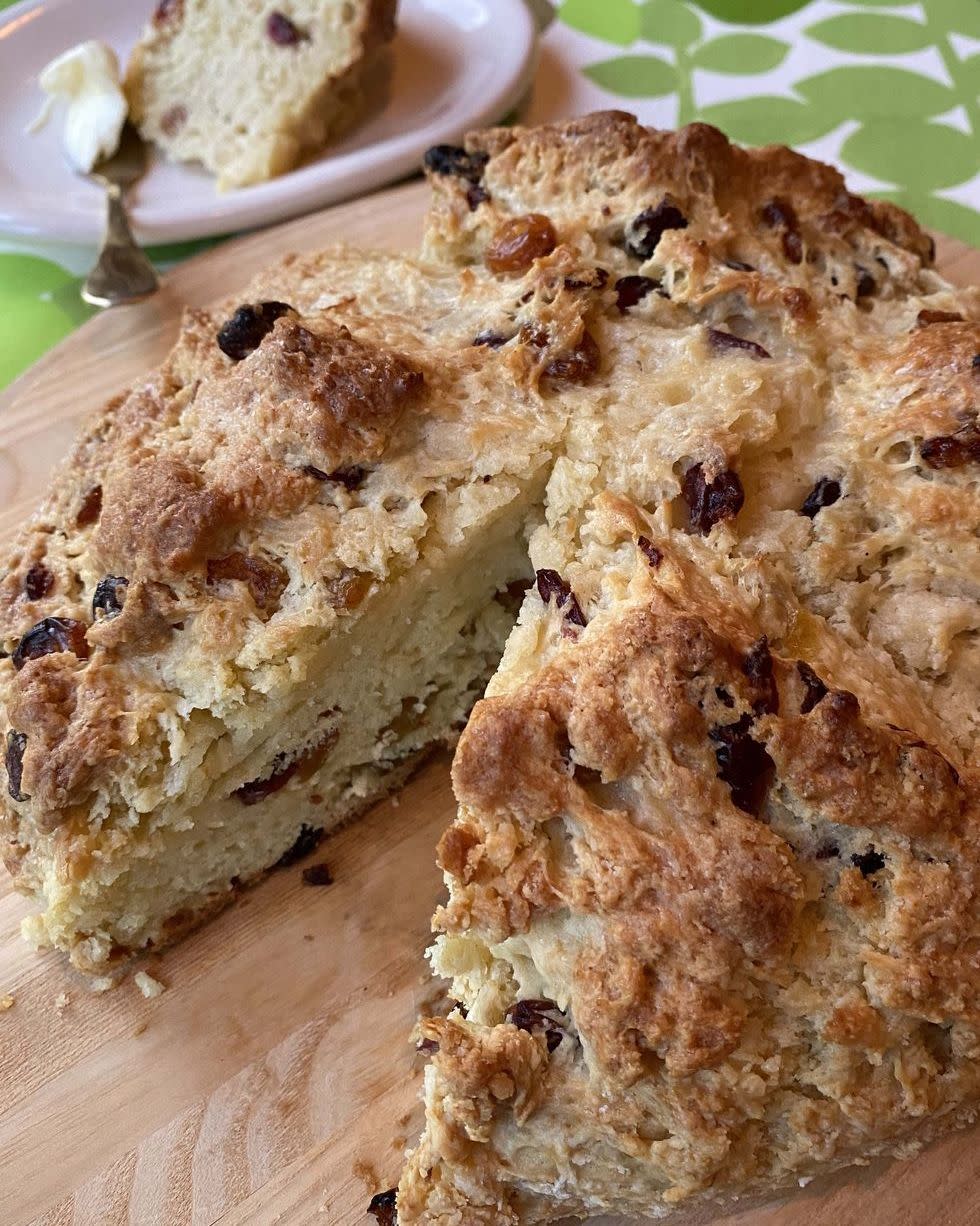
(926, 317)
(303, 767)
(347, 590)
(519, 242)
(266, 580)
(952, 450)
(577, 365)
(91, 507)
(308, 763)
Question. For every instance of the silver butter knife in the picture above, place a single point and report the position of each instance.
(122, 272)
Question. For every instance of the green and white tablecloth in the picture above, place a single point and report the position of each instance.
(886, 90)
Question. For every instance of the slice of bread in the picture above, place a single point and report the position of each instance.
(269, 577)
(714, 885)
(247, 88)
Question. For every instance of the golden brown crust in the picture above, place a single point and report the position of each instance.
(714, 885)
(852, 772)
(717, 849)
(159, 518)
(675, 923)
(76, 725)
(172, 616)
(602, 170)
(310, 396)
(309, 392)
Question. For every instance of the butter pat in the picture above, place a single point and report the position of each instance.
(87, 78)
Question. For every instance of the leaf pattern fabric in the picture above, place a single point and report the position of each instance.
(886, 89)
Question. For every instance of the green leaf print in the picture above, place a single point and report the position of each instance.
(634, 76)
(741, 54)
(614, 21)
(959, 16)
(871, 33)
(32, 323)
(867, 91)
(768, 120)
(902, 151)
(751, 12)
(669, 22)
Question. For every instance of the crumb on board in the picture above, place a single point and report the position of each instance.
(6, 1002)
(139, 1029)
(149, 986)
(101, 984)
(62, 1001)
(317, 874)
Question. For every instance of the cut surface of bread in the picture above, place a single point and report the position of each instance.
(248, 88)
(270, 575)
(714, 885)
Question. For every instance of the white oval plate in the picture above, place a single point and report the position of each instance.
(459, 64)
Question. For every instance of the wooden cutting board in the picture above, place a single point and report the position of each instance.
(273, 1081)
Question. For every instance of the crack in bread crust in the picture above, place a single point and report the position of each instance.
(247, 520)
(694, 949)
(713, 886)
(726, 834)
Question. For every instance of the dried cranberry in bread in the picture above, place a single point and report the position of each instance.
(714, 885)
(248, 90)
(269, 577)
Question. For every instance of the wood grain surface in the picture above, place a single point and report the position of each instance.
(273, 1080)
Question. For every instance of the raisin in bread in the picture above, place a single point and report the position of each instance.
(248, 89)
(270, 575)
(714, 885)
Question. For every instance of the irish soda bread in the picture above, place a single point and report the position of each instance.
(248, 88)
(269, 575)
(714, 886)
